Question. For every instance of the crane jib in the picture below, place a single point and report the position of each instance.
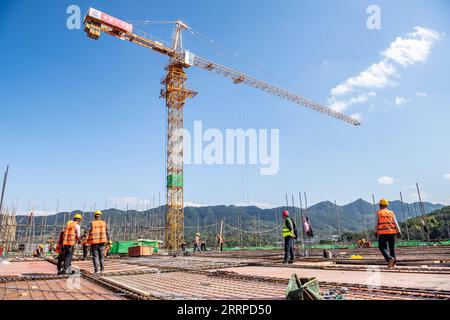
(124, 30)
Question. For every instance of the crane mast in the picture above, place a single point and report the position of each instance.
(175, 94)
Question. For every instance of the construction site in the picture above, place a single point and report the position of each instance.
(152, 252)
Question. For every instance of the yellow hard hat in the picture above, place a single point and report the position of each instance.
(41, 246)
(197, 234)
(384, 202)
(78, 216)
(97, 213)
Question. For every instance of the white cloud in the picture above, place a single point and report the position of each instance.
(385, 180)
(193, 204)
(421, 94)
(261, 205)
(400, 101)
(131, 202)
(36, 213)
(447, 176)
(356, 116)
(415, 197)
(403, 52)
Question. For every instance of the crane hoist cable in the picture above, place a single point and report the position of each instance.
(212, 42)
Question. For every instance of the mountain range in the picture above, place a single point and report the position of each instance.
(353, 217)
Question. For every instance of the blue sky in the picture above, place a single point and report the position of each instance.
(81, 121)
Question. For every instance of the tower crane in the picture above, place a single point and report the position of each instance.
(175, 94)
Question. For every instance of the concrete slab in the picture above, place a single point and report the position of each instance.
(27, 268)
(57, 289)
(406, 280)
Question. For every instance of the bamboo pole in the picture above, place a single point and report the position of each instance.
(404, 216)
(422, 207)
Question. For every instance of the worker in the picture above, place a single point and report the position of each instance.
(202, 245)
(289, 236)
(387, 228)
(85, 244)
(97, 239)
(72, 236)
(308, 227)
(197, 242)
(39, 252)
(220, 242)
(60, 252)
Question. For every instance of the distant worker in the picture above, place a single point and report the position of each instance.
(85, 244)
(197, 242)
(220, 242)
(39, 252)
(59, 250)
(203, 245)
(308, 228)
(97, 238)
(72, 236)
(327, 254)
(289, 236)
(387, 228)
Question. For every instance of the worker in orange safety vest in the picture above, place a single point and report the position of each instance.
(60, 252)
(97, 238)
(386, 228)
(71, 238)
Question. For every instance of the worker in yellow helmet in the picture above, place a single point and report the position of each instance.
(386, 228)
(39, 252)
(72, 236)
(97, 238)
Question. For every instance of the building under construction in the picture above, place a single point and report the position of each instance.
(149, 259)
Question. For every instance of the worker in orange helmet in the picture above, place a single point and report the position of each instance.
(386, 229)
(288, 232)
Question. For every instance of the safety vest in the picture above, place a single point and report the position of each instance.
(59, 244)
(286, 232)
(70, 235)
(98, 232)
(386, 222)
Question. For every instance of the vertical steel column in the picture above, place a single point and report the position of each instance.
(175, 94)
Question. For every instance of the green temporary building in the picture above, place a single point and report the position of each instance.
(121, 247)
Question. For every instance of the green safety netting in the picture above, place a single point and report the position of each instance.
(121, 247)
(348, 246)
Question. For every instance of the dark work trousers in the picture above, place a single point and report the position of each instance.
(98, 256)
(385, 240)
(288, 248)
(197, 247)
(68, 254)
(85, 251)
(60, 264)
